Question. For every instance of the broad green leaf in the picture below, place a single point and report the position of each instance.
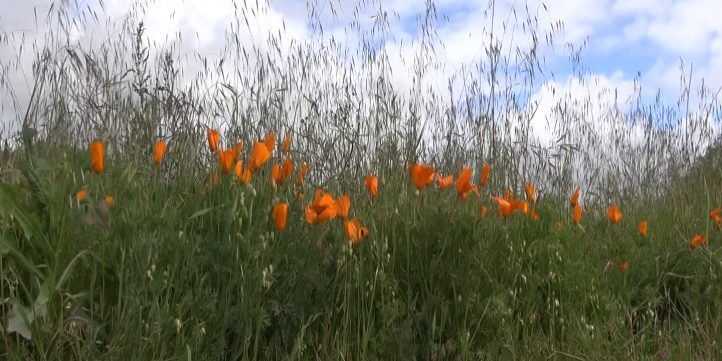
(10, 206)
(4, 246)
(7, 248)
(97, 215)
(200, 213)
(20, 318)
(40, 306)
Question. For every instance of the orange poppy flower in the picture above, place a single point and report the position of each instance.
(225, 157)
(485, 174)
(302, 174)
(321, 209)
(508, 196)
(238, 169)
(287, 168)
(505, 207)
(280, 173)
(715, 216)
(213, 138)
(533, 215)
(238, 150)
(422, 175)
(484, 211)
(624, 266)
(464, 185)
(159, 151)
(311, 215)
(270, 142)
(355, 231)
(577, 214)
(318, 218)
(698, 240)
(372, 185)
(81, 196)
(259, 156)
(243, 175)
(329, 213)
(109, 200)
(286, 145)
(642, 227)
(575, 198)
(522, 206)
(276, 175)
(343, 205)
(280, 215)
(97, 156)
(444, 182)
(530, 191)
(614, 214)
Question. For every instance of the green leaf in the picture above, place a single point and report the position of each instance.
(200, 213)
(97, 215)
(40, 306)
(10, 206)
(20, 318)
(7, 248)
(4, 246)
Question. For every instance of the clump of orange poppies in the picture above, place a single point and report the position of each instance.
(325, 207)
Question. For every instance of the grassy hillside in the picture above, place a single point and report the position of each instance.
(191, 269)
(148, 256)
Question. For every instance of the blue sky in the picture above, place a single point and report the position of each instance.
(624, 36)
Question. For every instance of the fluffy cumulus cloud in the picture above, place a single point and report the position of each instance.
(602, 92)
(652, 36)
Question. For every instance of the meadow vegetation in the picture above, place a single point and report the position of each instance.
(288, 200)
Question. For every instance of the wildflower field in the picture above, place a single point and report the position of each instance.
(294, 212)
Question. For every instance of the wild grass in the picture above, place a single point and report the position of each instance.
(182, 268)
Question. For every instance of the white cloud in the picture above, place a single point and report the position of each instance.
(581, 18)
(675, 28)
(641, 7)
(599, 93)
(687, 27)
